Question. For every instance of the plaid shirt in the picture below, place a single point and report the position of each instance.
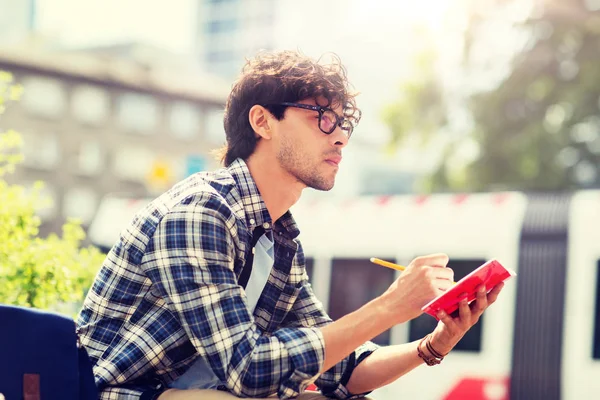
(168, 292)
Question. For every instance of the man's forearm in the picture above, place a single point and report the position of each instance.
(343, 336)
(384, 366)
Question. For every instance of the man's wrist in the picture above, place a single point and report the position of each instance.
(439, 344)
(427, 353)
(388, 310)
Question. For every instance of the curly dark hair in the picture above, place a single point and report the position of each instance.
(276, 77)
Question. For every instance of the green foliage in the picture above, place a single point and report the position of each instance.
(539, 129)
(420, 108)
(36, 272)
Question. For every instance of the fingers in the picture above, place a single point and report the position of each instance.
(464, 312)
(444, 273)
(441, 277)
(435, 260)
(433, 268)
(482, 303)
(485, 300)
(456, 325)
(493, 294)
(447, 320)
(470, 314)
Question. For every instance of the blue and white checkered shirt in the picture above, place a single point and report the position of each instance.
(168, 293)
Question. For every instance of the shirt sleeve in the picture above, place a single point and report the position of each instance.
(190, 260)
(308, 312)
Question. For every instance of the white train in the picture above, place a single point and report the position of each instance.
(540, 340)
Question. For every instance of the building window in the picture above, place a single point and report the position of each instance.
(220, 1)
(44, 97)
(424, 324)
(138, 113)
(355, 282)
(80, 203)
(89, 160)
(215, 133)
(41, 150)
(90, 104)
(132, 163)
(184, 120)
(220, 10)
(218, 26)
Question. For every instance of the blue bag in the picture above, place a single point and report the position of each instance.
(40, 358)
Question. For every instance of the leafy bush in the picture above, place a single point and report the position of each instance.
(36, 272)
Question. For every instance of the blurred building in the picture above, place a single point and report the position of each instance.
(230, 30)
(94, 124)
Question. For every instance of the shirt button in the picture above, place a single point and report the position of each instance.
(252, 221)
(266, 225)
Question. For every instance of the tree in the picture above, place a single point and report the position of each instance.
(416, 117)
(420, 108)
(538, 129)
(36, 272)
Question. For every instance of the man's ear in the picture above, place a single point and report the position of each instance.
(260, 118)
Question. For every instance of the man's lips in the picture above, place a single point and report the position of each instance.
(334, 159)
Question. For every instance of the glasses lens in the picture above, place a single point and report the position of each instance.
(328, 121)
(347, 127)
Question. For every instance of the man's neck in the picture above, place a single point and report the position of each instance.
(278, 189)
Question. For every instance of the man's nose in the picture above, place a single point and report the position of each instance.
(339, 137)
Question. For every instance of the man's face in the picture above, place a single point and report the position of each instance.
(307, 153)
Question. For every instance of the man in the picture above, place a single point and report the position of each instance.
(175, 312)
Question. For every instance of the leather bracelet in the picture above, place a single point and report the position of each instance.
(431, 361)
(432, 350)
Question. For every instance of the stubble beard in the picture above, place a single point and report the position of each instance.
(290, 161)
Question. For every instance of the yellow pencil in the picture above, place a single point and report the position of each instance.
(390, 265)
(387, 264)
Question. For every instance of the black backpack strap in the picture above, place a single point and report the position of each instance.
(247, 270)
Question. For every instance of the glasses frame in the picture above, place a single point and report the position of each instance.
(348, 128)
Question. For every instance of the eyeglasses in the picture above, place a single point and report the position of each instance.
(328, 119)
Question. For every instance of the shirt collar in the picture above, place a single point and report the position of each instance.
(255, 210)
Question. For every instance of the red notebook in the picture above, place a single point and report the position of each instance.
(491, 273)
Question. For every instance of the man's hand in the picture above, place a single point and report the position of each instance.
(424, 279)
(450, 329)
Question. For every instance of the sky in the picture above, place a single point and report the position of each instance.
(168, 24)
(171, 24)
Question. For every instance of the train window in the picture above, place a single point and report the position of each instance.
(425, 324)
(597, 316)
(355, 282)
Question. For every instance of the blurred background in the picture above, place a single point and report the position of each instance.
(461, 95)
(484, 114)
